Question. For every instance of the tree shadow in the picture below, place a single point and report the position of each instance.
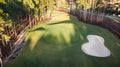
(63, 54)
(53, 49)
(61, 48)
(40, 28)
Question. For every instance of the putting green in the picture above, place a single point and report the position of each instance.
(58, 44)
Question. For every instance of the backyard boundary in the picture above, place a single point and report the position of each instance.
(96, 19)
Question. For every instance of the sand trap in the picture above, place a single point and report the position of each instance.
(95, 46)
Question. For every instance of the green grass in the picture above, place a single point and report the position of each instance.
(58, 44)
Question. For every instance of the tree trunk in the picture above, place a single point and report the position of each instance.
(85, 14)
(1, 64)
(29, 21)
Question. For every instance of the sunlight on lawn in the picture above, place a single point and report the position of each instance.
(60, 33)
(57, 43)
(34, 38)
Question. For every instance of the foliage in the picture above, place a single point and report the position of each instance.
(58, 44)
(12, 15)
(113, 9)
(2, 30)
(14, 9)
(17, 9)
(84, 3)
(108, 8)
(62, 3)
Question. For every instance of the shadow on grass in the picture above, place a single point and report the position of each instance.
(40, 28)
(61, 47)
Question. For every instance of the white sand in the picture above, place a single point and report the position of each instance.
(96, 47)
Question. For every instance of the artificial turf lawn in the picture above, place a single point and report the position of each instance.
(58, 44)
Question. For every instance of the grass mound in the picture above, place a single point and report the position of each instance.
(58, 44)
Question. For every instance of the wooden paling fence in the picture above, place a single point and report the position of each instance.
(96, 18)
(17, 35)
